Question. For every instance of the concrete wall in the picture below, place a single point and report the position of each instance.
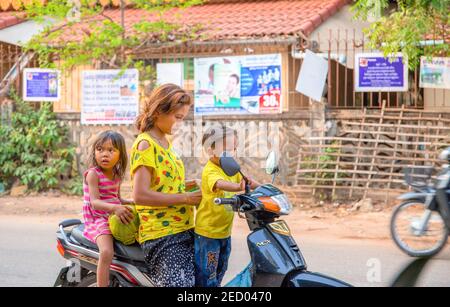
(257, 137)
(340, 27)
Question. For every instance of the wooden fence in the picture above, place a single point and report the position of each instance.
(369, 153)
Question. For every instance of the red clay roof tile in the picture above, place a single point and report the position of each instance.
(8, 19)
(243, 19)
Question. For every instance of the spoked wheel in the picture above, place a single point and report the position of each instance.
(417, 231)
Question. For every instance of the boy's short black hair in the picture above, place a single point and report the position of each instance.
(214, 134)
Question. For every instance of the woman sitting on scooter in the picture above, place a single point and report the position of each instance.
(166, 211)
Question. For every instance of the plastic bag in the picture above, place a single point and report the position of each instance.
(243, 279)
(124, 233)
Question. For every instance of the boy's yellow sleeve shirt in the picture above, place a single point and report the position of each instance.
(214, 221)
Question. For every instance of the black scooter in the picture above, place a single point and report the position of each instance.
(276, 257)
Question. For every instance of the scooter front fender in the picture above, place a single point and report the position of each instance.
(305, 279)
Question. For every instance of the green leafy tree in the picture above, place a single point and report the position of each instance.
(102, 40)
(406, 26)
(35, 148)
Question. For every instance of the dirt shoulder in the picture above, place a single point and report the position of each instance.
(326, 221)
(43, 204)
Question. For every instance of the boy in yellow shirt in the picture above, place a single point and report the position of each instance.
(213, 222)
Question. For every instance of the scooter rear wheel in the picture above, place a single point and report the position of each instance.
(407, 235)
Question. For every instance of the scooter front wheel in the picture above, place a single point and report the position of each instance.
(418, 231)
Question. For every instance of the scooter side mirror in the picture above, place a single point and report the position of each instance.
(229, 165)
(272, 163)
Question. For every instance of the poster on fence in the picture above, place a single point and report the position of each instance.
(238, 85)
(41, 85)
(109, 97)
(435, 72)
(313, 76)
(375, 73)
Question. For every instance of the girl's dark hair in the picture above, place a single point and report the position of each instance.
(118, 142)
(163, 100)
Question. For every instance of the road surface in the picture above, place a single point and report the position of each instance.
(28, 256)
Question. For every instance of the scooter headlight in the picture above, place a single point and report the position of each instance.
(283, 203)
(278, 204)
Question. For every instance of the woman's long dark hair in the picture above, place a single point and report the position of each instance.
(163, 100)
(118, 142)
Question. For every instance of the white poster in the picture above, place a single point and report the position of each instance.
(109, 97)
(238, 85)
(435, 72)
(41, 84)
(312, 76)
(170, 73)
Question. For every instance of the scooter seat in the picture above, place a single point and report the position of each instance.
(77, 234)
(131, 252)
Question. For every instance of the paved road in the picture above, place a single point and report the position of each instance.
(28, 256)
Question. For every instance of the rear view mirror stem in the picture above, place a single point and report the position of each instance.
(247, 183)
(274, 174)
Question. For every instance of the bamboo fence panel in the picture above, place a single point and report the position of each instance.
(369, 153)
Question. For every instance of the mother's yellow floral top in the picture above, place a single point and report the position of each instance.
(167, 177)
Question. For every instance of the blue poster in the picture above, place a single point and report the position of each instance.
(41, 85)
(376, 73)
(257, 81)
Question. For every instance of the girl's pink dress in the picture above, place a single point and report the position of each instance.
(96, 221)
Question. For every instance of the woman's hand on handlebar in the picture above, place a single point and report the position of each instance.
(193, 198)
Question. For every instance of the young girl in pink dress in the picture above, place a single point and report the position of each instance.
(101, 183)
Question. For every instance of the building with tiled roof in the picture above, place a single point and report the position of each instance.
(236, 27)
(247, 28)
(233, 27)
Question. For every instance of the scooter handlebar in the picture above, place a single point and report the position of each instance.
(234, 202)
(226, 201)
